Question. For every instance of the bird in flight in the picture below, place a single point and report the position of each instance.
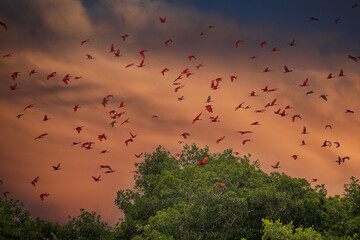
(163, 20)
(97, 179)
(57, 167)
(220, 139)
(3, 25)
(196, 118)
(43, 195)
(41, 136)
(203, 161)
(35, 181)
(277, 165)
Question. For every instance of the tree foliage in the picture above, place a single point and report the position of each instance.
(229, 197)
(180, 199)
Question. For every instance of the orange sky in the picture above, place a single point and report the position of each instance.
(47, 37)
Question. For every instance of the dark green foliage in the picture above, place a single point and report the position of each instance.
(180, 199)
(15, 223)
(176, 198)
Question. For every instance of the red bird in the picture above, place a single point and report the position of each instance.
(29, 106)
(185, 135)
(14, 87)
(203, 161)
(277, 165)
(330, 75)
(51, 75)
(295, 156)
(112, 48)
(237, 43)
(4, 25)
(78, 129)
(328, 126)
(41, 136)
(32, 72)
(239, 106)
(139, 155)
(129, 65)
(191, 57)
(5, 193)
(124, 36)
(288, 107)
(128, 140)
(202, 34)
(349, 111)
(97, 179)
(163, 20)
(214, 119)
(142, 53)
(104, 151)
(278, 111)
(66, 79)
(132, 135)
(286, 69)
(262, 43)
(179, 87)
(221, 185)
(35, 181)
(245, 141)
(167, 42)
(164, 70)
(244, 132)
(252, 94)
(137, 172)
(255, 123)
(271, 104)
(14, 75)
(210, 26)
(102, 136)
(267, 70)
(314, 180)
(220, 139)
(305, 83)
(43, 195)
(341, 74)
(200, 65)
(122, 104)
(87, 145)
(326, 143)
(275, 49)
(7, 55)
(105, 166)
(253, 57)
(304, 131)
(76, 107)
(56, 167)
(208, 108)
(126, 121)
(295, 116)
(197, 118)
(232, 78)
(85, 41)
(46, 118)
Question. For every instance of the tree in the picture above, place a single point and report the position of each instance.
(277, 231)
(86, 226)
(227, 198)
(15, 223)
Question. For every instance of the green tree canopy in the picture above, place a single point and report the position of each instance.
(177, 198)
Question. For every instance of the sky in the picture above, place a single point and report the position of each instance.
(47, 36)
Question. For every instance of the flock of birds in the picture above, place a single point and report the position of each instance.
(115, 115)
